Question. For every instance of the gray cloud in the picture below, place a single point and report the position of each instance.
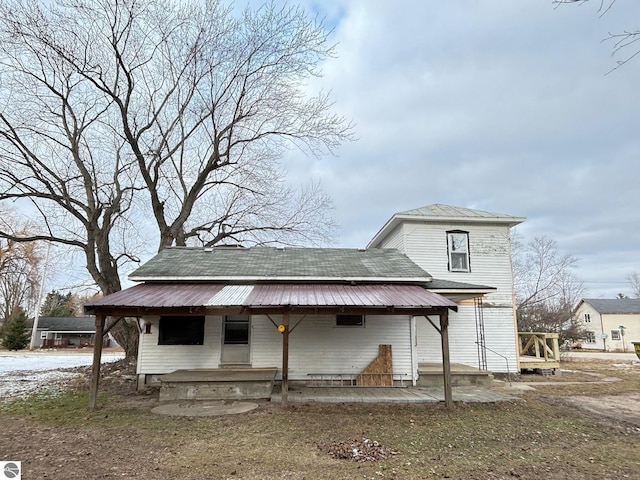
(501, 106)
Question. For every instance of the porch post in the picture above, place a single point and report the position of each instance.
(446, 362)
(97, 354)
(285, 358)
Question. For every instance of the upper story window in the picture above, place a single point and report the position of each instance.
(458, 248)
(587, 317)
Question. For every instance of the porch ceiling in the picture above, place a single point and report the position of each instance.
(151, 298)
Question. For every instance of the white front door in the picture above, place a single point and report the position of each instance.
(236, 340)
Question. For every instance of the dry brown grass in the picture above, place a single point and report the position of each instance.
(540, 437)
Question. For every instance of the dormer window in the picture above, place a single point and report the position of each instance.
(458, 249)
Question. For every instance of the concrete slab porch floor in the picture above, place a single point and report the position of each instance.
(388, 395)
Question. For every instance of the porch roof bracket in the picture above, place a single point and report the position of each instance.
(433, 324)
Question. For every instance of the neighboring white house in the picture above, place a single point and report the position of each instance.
(612, 324)
(62, 332)
(206, 308)
(469, 246)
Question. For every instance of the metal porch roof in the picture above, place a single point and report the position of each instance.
(260, 296)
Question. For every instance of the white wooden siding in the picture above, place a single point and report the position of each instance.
(490, 258)
(316, 345)
(154, 358)
(462, 338)
(489, 255)
(395, 239)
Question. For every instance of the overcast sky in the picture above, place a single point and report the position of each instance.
(504, 106)
(494, 105)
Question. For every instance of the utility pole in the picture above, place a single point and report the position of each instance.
(34, 330)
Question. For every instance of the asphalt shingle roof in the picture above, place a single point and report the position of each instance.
(268, 263)
(615, 305)
(67, 324)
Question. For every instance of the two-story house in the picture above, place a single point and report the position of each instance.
(612, 324)
(433, 279)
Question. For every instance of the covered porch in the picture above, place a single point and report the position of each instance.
(278, 302)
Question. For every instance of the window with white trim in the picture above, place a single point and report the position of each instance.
(590, 337)
(458, 250)
(587, 318)
(615, 334)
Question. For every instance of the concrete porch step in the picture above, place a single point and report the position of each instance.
(218, 384)
(430, 375)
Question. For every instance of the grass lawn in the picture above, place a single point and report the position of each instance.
(57, 436)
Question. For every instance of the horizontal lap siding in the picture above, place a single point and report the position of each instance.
(316, 345)
(490, 258)
(394, 240)
(462, 337)
(154, 358)
(489, 252)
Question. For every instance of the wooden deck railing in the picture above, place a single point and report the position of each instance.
(538, 350)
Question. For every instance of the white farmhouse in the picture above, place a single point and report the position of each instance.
(434, 286)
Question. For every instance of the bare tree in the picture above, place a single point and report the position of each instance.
(546, 289)
(116, 112)
(20, 274)
(203, 101)
(625, 42)
(633, 279)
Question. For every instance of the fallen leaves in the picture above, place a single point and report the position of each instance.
(359, 450)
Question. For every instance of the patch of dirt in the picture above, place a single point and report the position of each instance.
(621, 411)
(117, 379)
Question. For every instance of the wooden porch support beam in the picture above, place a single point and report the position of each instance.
(97, 355)
(446, 361)
(285, 358)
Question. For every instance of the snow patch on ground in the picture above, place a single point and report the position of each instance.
(24, 373)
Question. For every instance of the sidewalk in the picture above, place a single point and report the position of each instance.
(622, 357)
(389, 395)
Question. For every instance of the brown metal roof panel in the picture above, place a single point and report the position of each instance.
(345, 295)
(160, 295)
